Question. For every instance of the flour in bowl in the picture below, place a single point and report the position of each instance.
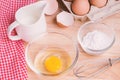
(96, 40)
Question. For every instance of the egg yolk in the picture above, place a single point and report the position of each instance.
(53, 64)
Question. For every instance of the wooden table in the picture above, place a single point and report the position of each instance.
(112, 74)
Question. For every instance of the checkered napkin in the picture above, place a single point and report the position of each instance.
(12, 59)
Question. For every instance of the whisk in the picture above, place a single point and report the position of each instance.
(91, 68)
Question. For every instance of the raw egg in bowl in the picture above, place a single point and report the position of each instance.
(51, 53)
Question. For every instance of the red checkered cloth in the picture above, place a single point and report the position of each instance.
(12, 59)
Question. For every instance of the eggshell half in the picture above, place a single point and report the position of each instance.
(52, 7)
(65, 19)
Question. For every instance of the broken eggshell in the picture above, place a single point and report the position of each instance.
(52, 7)
(65, 19)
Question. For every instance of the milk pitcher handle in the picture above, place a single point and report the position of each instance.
(10, 29)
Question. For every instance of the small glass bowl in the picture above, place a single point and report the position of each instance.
(95, 37)
(51, 44)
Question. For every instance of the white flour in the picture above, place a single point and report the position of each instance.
(96, 40)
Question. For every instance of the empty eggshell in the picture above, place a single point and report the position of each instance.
(80, 7)
(52, 7)
(99, 3)
(64, 19)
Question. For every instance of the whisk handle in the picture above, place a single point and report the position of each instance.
(113, 61)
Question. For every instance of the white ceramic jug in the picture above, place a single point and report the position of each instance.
(30, 22)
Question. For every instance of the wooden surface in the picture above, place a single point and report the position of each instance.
(112, 74)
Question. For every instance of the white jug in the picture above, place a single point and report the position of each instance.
(30, 22)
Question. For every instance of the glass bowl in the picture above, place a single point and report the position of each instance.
(51, 53)
(95, 37)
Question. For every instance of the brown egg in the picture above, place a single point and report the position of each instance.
(80, 7)
(99, 3)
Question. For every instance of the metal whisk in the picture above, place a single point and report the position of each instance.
(92, 68)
